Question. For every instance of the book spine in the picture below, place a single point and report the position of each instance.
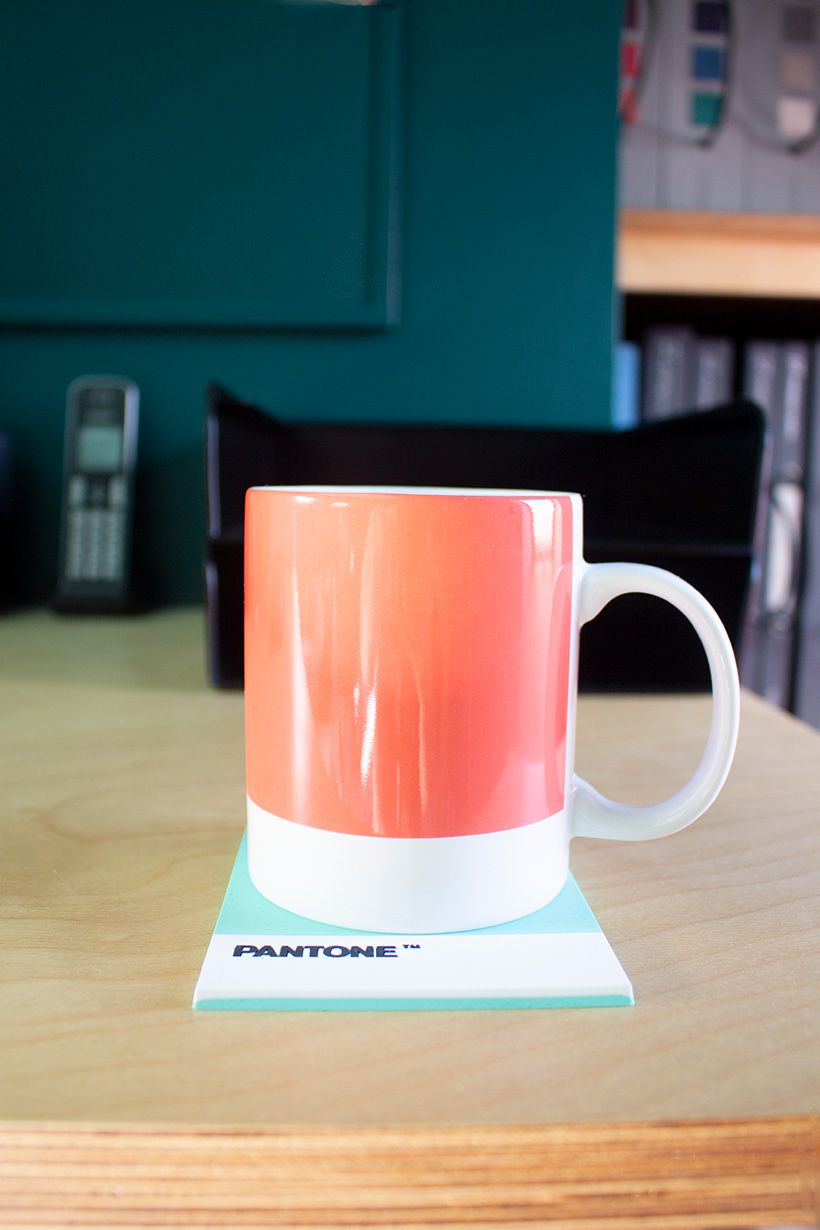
(760, 374)
(782, 565)
(714, 372)
(807, 651)
(626, 385)
(668, 379)
(761, 364)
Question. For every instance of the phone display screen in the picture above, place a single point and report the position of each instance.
(99, 448)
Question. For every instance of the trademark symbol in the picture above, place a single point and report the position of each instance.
(411, 945)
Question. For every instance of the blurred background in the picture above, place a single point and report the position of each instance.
(414, 211)
(719, 274)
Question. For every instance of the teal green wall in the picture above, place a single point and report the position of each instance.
(507, 299)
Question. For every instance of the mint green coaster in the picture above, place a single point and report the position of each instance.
(262, 957)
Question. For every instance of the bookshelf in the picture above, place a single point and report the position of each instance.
(741, 274)
(713, 253)
(741, 277)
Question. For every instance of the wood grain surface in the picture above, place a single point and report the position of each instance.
(669, 1175)
(121, 807)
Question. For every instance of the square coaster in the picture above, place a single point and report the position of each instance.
(262, 957)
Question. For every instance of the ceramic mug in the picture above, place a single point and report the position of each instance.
(410, 694)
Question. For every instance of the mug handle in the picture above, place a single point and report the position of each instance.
(594, 815)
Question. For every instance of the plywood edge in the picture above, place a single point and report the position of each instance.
(752, 1172)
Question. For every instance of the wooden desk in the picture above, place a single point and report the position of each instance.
(121, 778)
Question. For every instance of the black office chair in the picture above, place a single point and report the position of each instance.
(681, 494)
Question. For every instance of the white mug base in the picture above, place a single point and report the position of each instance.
(407, 885)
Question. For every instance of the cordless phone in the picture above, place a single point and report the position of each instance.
(99, 467)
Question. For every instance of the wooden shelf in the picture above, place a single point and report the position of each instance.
(673, 252)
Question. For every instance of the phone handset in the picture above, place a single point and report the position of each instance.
(97, 514)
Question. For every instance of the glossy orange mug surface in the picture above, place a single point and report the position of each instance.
(408, 658)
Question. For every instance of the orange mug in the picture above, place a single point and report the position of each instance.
(410, 693)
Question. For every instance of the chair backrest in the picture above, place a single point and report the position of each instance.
(681, 494)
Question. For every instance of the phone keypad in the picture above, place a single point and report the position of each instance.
(77, 490)
(95, 539)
